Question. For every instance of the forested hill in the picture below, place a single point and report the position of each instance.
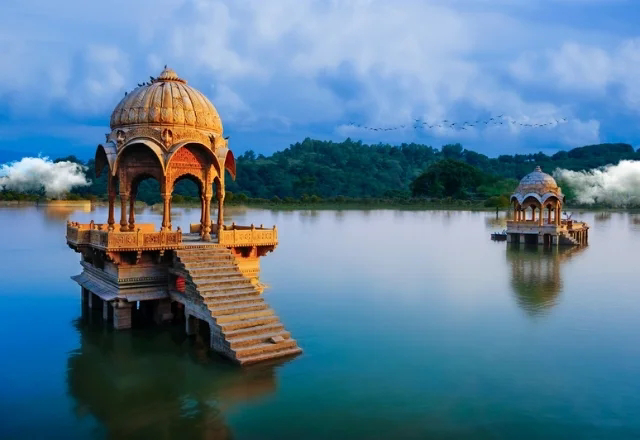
(353, 169)
(329, 170)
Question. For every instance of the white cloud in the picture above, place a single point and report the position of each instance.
(586, 68)
(286, 63)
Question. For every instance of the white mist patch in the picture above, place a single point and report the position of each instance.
(617, 185)
(35, 173)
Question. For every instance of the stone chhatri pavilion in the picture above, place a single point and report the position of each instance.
(539, 194)
(207, 276)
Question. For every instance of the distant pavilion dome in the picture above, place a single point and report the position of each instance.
(538, 185)
(167, 101)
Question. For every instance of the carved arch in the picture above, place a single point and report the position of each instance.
(187, 175)
(195, 159)
(136, 160)
(211, 157)
(150, 143)
(138, 178)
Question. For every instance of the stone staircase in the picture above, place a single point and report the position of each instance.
(568, 239)
(246, 329)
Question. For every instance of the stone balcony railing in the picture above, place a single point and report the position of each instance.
(143, 238)
(235, 236)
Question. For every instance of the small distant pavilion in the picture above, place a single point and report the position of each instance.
(537, 214)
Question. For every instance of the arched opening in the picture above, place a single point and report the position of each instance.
(554, 210)
(199, 164)
(189, 188)
(533, 204)
(135, 164)
(517, 210)
(146, 188)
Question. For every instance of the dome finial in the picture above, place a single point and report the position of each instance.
(538, 169)
(168, 74)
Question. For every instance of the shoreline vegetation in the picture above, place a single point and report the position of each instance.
(420, 205)
(350, 175)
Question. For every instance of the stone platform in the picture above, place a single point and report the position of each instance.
(563, 232)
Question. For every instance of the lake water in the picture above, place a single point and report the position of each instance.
(414, 325)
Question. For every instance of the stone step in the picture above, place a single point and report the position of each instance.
(197, 264)
(269, 355)
(258, 338)
(215, 303)
(202, 265)
(221, 286)
(205, 290)
(255, 330)
(215, 295)
(217, 258)
(219, 281)
(225, 270)
(221, 311)
(243, 316)
(264, 347)
(246, 323)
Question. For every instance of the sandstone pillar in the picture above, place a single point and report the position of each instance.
(112, 201)
(541, 217)
(122, 314)
(166, 212)
(220, 195)
(190, 323)
(202, 208)
(132, 216)
(206, 235)
(94, 301)
(124, 198)
(162, 311)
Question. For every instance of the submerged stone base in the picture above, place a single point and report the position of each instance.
(565, 233)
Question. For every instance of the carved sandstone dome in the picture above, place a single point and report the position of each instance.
(538, 185)
(167, 101)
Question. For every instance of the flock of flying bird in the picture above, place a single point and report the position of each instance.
(497, 120)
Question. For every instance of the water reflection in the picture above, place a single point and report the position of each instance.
(150, 384)
(536, 277)
(61, 213)
(602, 217)
(496, 221)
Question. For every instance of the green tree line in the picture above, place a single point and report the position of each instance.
(314, 170)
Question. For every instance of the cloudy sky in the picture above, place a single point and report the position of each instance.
(282, 70)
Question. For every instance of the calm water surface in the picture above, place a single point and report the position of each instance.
(414, 325)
